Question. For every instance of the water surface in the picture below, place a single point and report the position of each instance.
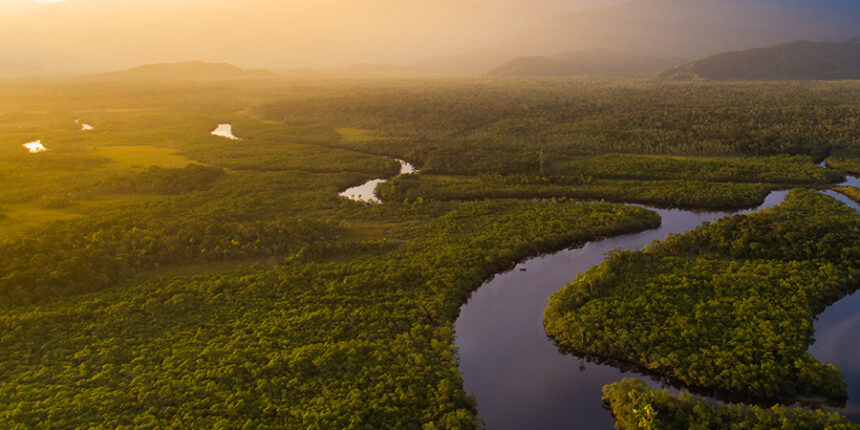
(518, 375)
(225, 131)
(366, 192)
(84, 126)
(837, 332)
(35, 147)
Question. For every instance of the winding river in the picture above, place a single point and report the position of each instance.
(521, 379)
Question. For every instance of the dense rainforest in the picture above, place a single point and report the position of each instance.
(154, 275)
(635, 406)
(727, 307)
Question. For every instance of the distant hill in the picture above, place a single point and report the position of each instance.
(192, 70)
(800, 60)
(665, 28)
(21, 71)
(586, 63)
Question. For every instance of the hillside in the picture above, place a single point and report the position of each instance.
(196, 70)
(802, 60)
(585, 63)
(661, 28)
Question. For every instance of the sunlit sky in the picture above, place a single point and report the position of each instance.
(91, 35)
(312, 33)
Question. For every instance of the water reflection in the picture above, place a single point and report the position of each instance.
(837, 332)
(35, 147)
(366, 192)
(522, 381)
(225, 131)
(84, 126)
(517, 374)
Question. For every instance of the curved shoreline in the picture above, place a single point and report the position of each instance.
(614, 365)
(366, 192)
(507, 361)
(497, 412)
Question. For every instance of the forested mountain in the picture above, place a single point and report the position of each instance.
(585, 63)
(795, 60)
(192, 70)
(666, 28)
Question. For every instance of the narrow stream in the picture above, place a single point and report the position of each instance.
(521, 379)
(366, 192)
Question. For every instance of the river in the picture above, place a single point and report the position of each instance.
(521, 379)
(366, 192)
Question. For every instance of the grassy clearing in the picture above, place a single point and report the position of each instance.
(355, 134)
(22, 216)
(135, 157)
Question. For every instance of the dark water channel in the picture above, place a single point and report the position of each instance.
(520, 378)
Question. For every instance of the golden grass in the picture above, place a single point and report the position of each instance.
(125, 157)
(354, 134)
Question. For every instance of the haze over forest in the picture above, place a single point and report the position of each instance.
(447, 36)
(430, 214)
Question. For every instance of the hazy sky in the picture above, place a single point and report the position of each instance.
(95, 35)
(315, 33)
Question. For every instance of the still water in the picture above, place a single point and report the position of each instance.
(520, 378)
(366, 192)
(84, 126)
(225, 131)
(35, 147)
(837, 334)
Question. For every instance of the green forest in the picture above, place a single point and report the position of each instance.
(728, 307)
(635, 406)
(153, 275)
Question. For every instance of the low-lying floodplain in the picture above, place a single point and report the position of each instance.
(152, 275)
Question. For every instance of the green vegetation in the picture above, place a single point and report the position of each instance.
(846, 158)
(685, 194)
(635, 407)
(142, 156)
(487, 126)
(853, 193)
(726, 307)
(154, 275)
(789, 170)
(159, 180)
(362, 341)
(794, 60)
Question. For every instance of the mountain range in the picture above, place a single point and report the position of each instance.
(800, 60)
(666, 28)
(93, 35)
(190, 70)
(586, 63)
